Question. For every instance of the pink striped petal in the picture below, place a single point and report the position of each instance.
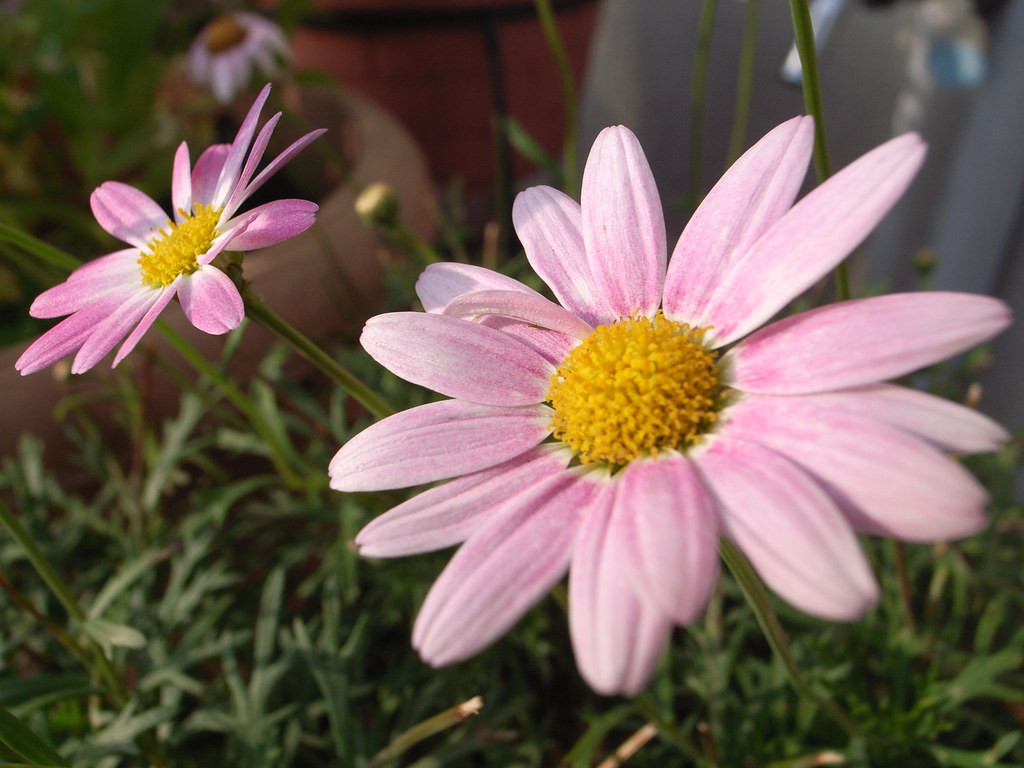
(457, 358)
(68, 335)
(211, 301)
(502, 570)
(440, 283)
(274, 166)
(947, 425)
(144, 324)
(181, 183)
(528, 307)
(551, 345)
(623, 225)
(862, 341)
(206, 172)
(231, 170)
(115, 272)
(273, 223)
(450, 513)
(792, 532)
(434, 442)
(549, 225)
(815, 235)
(109, 331)
(886, 482)
(752, 195)
(668, 523)
(617, 638)
(252, 160)
(127, 213)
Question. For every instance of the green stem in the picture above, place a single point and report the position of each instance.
(757, 597)
(803, 34)
(257, 310)
(666, 727)
(697, 99)
(103, 667)
(557, 47)
(744, 82)
(44, 251)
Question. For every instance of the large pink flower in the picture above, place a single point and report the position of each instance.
(620, 434)
(121, 294)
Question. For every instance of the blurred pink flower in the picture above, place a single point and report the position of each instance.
(228, 49)
(121, 294)
(618, 435)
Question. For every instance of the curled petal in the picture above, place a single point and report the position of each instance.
(668, 523)
(623, 225)
(862, 341)
(440, 283)
(273, 223)
(206, 172)
(434, 442)
(452, 512)
(273, 167)
(617, 637)
(530, 308)
(502, 570)
(457, 358)
(181, 182)
(792, 532)
(232, 167)
(211, 301)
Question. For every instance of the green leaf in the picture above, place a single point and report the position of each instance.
(109, 633)
(17, 737)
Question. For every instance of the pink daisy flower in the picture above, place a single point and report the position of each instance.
(228, 49)
(619, 434)
(121, 294)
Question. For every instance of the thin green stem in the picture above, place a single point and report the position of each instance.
(744, 82)
(44, 251)
(102, 665)
(698, 92)
(803, 34)
(555, 43)
(668, 729)
(258, 311)
(757, 597)
(906, 603)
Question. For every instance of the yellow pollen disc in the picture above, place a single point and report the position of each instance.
(635, 388)
(176, 250)
(224, 33)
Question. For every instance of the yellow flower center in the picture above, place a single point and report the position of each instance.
(224, 33)
(635, 388)
(176, 251)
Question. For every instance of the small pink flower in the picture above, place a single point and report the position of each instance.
(121, 294)
(230, 47)
(618, 435)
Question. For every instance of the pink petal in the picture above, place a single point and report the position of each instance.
(502, 570)
(207, 171)
(251, 161)
(457, 358)
(623, 225)
(69, 334)
(794, 536)
(127, 213)
(211, 301)
(451, 513)
(815, 235)
(273, 223)
(616, 637)
(274, 166)
(434, 442)
(549, 224)
(109, 331)
(752, 195)
(117, 272)
(885, 481)
(669, 528)
(440, 283)
(862, 341)
(947, 425)
(181, 182)
(530, 308)
(229, 174)
(551, 345)
(145, 323)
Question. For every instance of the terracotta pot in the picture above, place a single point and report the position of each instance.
(325, 281)
(446, 67)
